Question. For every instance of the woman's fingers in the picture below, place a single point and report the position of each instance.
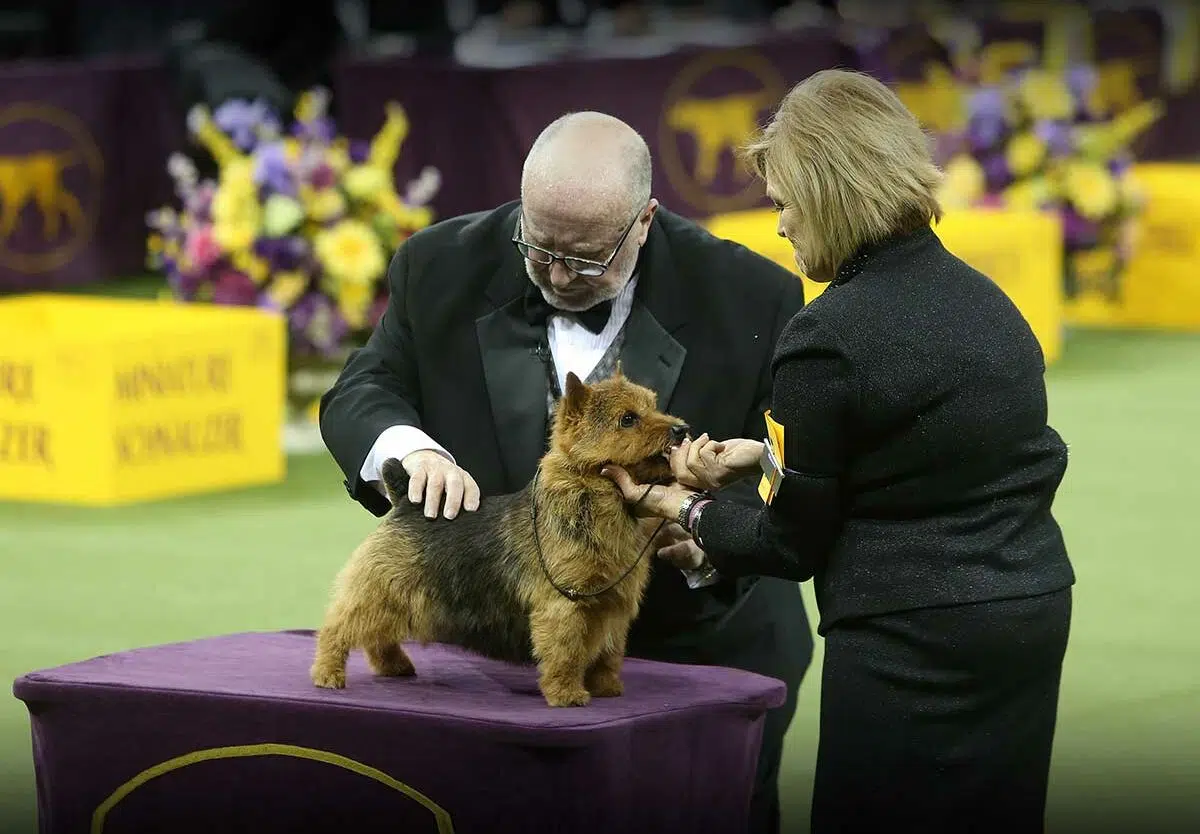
(624, 482)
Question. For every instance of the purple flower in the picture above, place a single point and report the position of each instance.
(1081, 80)
(244, 122)
(271, 170)
(1119, 165)
(282, 253)
(946, 146)
(320, 130)
(316, 325)
(323, 176)
(199, 203)
(995, 171)
(234, 288)
(184, 285)
(985, 133)
(1078, 231)
(1056, 135)
(986, 125)
(987, 102)
(359, 150)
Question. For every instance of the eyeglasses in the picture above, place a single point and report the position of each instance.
(580, 266)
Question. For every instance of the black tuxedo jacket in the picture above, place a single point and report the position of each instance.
(453, 356)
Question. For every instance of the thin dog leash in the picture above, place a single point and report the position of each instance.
(571, 593)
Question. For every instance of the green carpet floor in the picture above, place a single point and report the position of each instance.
(78, 583)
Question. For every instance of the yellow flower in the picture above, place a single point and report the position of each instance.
(1046, 95)
(154, 244)
(338, 155)
(1133, 194)
(365, 182)
(1028, 194)
(963, 184)
(255, 268)
(1025, 153)
(350, 254)
(1091, 189)
(323, 205)
(353, 300)
(235, 208)
(281, 215)
(292, 149)
(287, 288)
(385, 147)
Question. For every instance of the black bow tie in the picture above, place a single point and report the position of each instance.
(538, 310)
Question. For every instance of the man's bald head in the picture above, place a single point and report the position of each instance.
(587, 165)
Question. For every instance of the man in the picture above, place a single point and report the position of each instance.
(489, 312)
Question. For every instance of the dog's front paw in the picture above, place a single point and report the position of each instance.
(329, 678)
(605, 685)
(566, 696)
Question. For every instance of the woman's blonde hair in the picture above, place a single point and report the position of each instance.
(852, 160)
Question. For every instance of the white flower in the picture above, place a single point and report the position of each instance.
(197, 118)
(182, 169)
(422, 190)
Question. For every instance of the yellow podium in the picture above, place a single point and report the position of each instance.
(1160, 286)
(1020, 250)
(108, 401)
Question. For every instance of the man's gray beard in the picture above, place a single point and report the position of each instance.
(598, 296)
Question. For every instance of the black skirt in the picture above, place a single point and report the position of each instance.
(941, 720)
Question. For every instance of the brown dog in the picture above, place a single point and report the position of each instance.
(553, 573)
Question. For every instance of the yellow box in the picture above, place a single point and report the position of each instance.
(755, 229)
(111, 401)
(1020, 250)
(1160, 286)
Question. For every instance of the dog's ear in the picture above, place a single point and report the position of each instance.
(576, 394)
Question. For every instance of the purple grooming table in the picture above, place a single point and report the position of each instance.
(228, 734)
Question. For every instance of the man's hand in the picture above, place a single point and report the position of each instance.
(712, 464)
(432, 477)
(677, 547)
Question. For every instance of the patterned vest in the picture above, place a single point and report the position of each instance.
(603, 370)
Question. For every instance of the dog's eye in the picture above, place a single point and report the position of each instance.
(628, 420)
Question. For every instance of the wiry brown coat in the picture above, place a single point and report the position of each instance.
(478, 580)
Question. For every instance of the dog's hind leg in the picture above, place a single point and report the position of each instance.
(389, 660)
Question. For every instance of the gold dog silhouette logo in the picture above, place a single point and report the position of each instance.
(51, 174)
(710, 109)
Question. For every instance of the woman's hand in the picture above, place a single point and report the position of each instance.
(712, 464)
(659, 501)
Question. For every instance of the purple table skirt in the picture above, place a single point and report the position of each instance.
(229, 734)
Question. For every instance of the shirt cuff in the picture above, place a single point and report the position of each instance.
(397, 442)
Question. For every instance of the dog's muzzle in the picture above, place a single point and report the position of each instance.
(679, 434)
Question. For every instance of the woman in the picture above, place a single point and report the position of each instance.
(918, 473)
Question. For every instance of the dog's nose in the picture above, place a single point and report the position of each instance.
(679, 433)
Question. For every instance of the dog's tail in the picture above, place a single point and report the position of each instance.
(395, 480)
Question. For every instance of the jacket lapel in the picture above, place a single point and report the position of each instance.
(514, 355)
(651, 355)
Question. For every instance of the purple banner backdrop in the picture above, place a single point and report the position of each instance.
(693, 107)
(83, 151)
(83, 148)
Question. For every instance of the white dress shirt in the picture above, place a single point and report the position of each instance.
(574, 348)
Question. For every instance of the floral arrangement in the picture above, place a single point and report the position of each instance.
(1037, 138)
(303, 222)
